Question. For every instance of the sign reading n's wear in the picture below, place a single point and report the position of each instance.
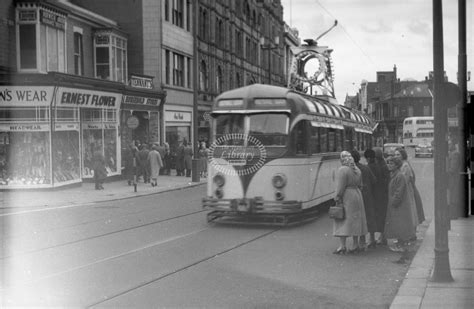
(73, 97)
(18, 96)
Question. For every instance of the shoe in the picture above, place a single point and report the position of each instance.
(396, 249)
(354, 250)
(372, 245)
(340, 250)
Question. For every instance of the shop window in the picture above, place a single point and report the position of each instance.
(24, 114)
(66, 156)
(66, 114)
(47, 53)
(24, 158)
(110, 56)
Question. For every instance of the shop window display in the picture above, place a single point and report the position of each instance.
(24, 158)
(92, 140)
(66, 156)
(110, 151)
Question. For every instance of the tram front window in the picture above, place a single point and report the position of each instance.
(269, 129)
(229, 124)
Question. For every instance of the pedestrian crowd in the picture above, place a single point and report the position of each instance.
(378, 198)
(145, 163)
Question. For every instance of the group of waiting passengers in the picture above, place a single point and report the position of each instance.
(378, 197)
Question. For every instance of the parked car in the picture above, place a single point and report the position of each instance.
(424, 150)
(390, 147)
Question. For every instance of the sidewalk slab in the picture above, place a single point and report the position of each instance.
(418, 291)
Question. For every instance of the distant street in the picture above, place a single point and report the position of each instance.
(159, 251)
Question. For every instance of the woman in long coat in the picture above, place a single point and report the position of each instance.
(100, 172)
(409, 174)
(180, 159)
(382, 175)
(188, 158)
(348, 184)
(399, 222)
(155, 163)
(368, 183)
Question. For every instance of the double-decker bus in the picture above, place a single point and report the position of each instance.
(275, 153)
(418, 130)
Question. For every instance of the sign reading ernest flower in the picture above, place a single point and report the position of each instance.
(237, 154)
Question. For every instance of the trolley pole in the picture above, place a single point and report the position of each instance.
(441, 271)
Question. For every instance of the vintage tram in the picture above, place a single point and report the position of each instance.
(275, 153)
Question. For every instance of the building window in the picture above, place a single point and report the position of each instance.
(203, 24)
(167, 67)
(78, 52)
(167, 12)
(189, 71)
(47, 53)
(110, 56)
(426, 110)
(203, 77)
(178, 70)
(219, 80)
(178, 9)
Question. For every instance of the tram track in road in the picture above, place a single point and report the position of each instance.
(97, 236)
(181, 269)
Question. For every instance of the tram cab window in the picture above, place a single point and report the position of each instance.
(228, 124)
(270, 129)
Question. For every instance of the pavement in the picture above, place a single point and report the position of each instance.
(417, 290)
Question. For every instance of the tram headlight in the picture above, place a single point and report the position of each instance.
(219, 180)
(279, 181)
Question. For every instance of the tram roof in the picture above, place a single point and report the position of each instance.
(244, 99)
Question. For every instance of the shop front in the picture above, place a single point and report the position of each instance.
(97, 128)
(141, 117)
(178, 128)
(39, 146)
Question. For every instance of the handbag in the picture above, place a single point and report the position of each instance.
(336, 212)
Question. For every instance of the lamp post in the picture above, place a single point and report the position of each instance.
(195, 161)
(441, 270)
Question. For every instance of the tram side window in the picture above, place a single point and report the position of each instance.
(301, 139)
(339, 140)
(315, 146)
(332, 140)
(323, 138)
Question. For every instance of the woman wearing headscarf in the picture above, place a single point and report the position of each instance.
(368, 183)
(348, 184)
(409, 174)
(382, 175)
(399, 221)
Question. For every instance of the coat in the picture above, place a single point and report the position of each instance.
(399, 222)
(409, 174)
(382, 176)
(188, 157)
(180, 158)
(98, 164)
(348, 182)
(155, 162)
(368, 183)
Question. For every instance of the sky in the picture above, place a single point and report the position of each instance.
(375, 35)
